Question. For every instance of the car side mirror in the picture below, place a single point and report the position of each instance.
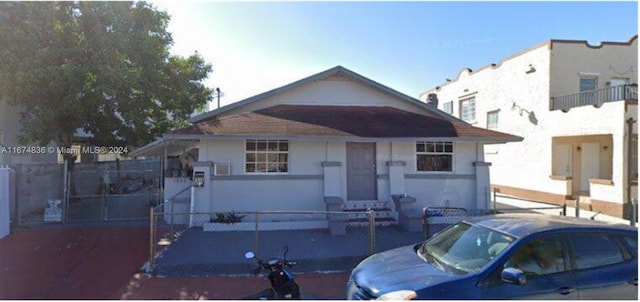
(514, 276)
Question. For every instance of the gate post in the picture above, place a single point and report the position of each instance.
(152, 235)
(65, 193)
(5, 182)
(425, 223)
(634, 206)
(372, 231)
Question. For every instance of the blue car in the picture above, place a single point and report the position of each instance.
(507, 256)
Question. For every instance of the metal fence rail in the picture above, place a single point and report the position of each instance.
(595, 97)
(528, 206)
(436, 219)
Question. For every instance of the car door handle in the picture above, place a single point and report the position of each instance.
(564, 290)
(634, 282)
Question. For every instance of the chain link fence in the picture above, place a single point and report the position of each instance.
(91, 192)
(436, 219)
(187, 244)
(106, 192)
(111, 195)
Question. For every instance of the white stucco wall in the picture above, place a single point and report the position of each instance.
(431, 189)
(303, 187)
(498, 88)
(528, 164)
(331, 91)
(608, 62)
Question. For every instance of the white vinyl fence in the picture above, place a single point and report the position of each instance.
(5, 178)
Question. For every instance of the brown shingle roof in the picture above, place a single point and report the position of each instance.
(339, 121)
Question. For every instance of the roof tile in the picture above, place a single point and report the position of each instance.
(323, 120)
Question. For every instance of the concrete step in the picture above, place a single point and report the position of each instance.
(385, 214)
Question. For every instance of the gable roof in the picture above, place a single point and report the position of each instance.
(322, 121)
(338, 70)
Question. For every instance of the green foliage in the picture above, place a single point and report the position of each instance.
(103, 67)
(228, 218)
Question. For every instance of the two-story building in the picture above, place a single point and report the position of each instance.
(574, 103)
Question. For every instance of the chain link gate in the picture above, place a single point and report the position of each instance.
(112, 191)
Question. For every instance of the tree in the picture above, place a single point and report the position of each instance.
(103, 67)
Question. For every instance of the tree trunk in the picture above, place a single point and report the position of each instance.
(70, 159)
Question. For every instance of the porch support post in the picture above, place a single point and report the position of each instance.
(396, 177)
(629, 176)
(483, 183)
(332, 179)
(332, 197)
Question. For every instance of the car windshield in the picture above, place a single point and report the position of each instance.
(464, 248)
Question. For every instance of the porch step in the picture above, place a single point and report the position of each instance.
(386, 221)
(363, 205)
(384, 213)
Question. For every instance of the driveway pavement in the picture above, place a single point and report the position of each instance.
(199, 253)
(103, 262)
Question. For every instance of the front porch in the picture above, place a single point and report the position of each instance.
(592, 172)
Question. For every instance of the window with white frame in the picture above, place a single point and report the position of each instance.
(492, 120)
(434, 156)
(468, 109)
(448, 107)
(267, 156)
(588, 83)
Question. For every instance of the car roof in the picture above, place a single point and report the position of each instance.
(519, 225)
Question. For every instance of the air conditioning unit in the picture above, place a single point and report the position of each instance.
(221, 169)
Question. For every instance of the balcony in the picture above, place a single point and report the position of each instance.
(596, 98)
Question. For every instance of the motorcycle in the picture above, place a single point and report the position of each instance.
(283, 286)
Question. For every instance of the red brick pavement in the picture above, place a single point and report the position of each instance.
(103, 263)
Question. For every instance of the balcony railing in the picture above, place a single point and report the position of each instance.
(596, 98)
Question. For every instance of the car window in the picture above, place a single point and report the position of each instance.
(632, 243)
(538, 257)
(464, 248)
(594, 249)
(545, 262)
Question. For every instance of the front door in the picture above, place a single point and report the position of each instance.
(562, 160)
(589, 164)
(617, 94)
(361, 171)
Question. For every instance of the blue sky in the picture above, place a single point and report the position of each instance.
(408, 46)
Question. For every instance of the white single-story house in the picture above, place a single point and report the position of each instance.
(334, 140)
